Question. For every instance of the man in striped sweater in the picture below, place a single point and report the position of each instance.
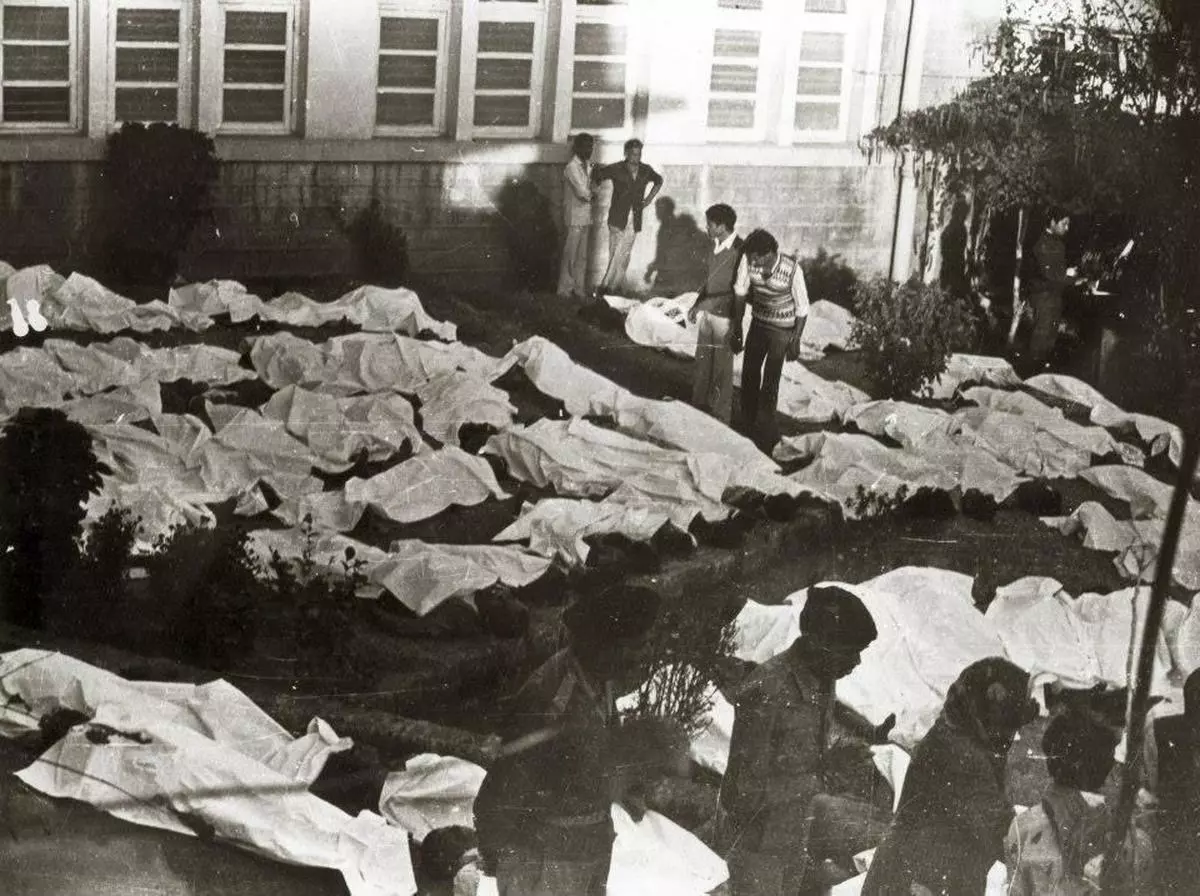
(774, 286)
(712, 381)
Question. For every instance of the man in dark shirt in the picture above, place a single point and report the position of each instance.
(1046, 289)
(629, 198)
(543, 812)
(781, 735)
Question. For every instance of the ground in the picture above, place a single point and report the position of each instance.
(454, 679)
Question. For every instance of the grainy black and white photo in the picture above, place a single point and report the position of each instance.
(599, 447)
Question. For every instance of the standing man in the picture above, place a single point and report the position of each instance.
(578, 192)
(774, 286)
(712, 382)
(780, 738)
(1046, 287)
(629, 179)
(543, 814)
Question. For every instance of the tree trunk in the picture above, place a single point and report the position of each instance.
(1018, 303)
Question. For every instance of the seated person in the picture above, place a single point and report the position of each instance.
(1057, 846)
(450, 856)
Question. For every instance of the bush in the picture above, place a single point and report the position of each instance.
(907, 333)
(828, 277)
(381, 248)
(157, 178)
(48, 467)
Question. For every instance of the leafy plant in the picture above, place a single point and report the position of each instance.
(828, 277)
(380, 246)
(907, 333)
(866, 503)
(157, 179)
(48, 467)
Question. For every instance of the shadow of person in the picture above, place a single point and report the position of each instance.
(526, 220)
(680, 253)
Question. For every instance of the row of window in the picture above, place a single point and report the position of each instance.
(151, 67)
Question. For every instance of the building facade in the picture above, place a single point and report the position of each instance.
(433, 106)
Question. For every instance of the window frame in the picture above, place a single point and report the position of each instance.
(290, 62)
(438, 10)
(759, 21)
(584, 14)
(184, 84)
(848, 24)
(506, 11)
(74, 70)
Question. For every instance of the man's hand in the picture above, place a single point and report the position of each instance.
(879, 735)
(793, 349)
(735, 338)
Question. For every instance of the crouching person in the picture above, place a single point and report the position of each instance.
(543, 814)
(1057, 846)
(780, 738)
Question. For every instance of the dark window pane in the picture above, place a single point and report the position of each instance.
(600, 77)
(731, 113)
(735, 43)
(822, 46)
(596, 113)
(599, 39)
(408, 34)
(824, 5)
(404, 109)
(502, 111)
(819, 82)
(407, 71)
(24, 63)
(734, 79)
(44, 104)
(147, 104)
(137, 64)
(504, 74)
(253, 106)
(505, 37)
(817, 116)
(740, 4)
(255, 67)
(256, 28)
(148, 25)
(36, 23)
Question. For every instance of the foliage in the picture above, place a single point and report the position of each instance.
(908, 332)
(867, 503)
(107, 554)
(157, 179)
(685, 651)
(49, 468)
(828, 277)
(381, 246)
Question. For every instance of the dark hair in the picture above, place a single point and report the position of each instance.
(1079, 750)
(833, 614)
(722, 214)
(443, 849)
(759, 242)
(581, 140)
(633, 143)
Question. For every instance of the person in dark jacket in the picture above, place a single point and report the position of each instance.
(954, 812)
(543, 812)
(712, 379)
(629, 199)
(777, 753)
(1176, 782)
(1046, 287)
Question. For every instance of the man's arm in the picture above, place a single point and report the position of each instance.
(801, 305)
(602, 173)
(577, 180)
(656, 179)
(741, 289)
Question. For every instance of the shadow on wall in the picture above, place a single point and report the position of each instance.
(681, 251)
(527, 222)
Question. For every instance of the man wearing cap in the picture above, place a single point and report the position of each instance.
(543, 812)
(781, 733)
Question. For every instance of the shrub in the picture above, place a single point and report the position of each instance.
(381, 248)
(209, 585)
(157, 180)
(907, 333)
(828, 277)
(48, 467)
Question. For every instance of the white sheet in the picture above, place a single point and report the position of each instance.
(425, 485)
(556, 527)
(966, 370)
(431, 792)
(455, 398)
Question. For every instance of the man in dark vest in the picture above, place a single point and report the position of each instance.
(712, 380)
(543, 812)
(1046, 287)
